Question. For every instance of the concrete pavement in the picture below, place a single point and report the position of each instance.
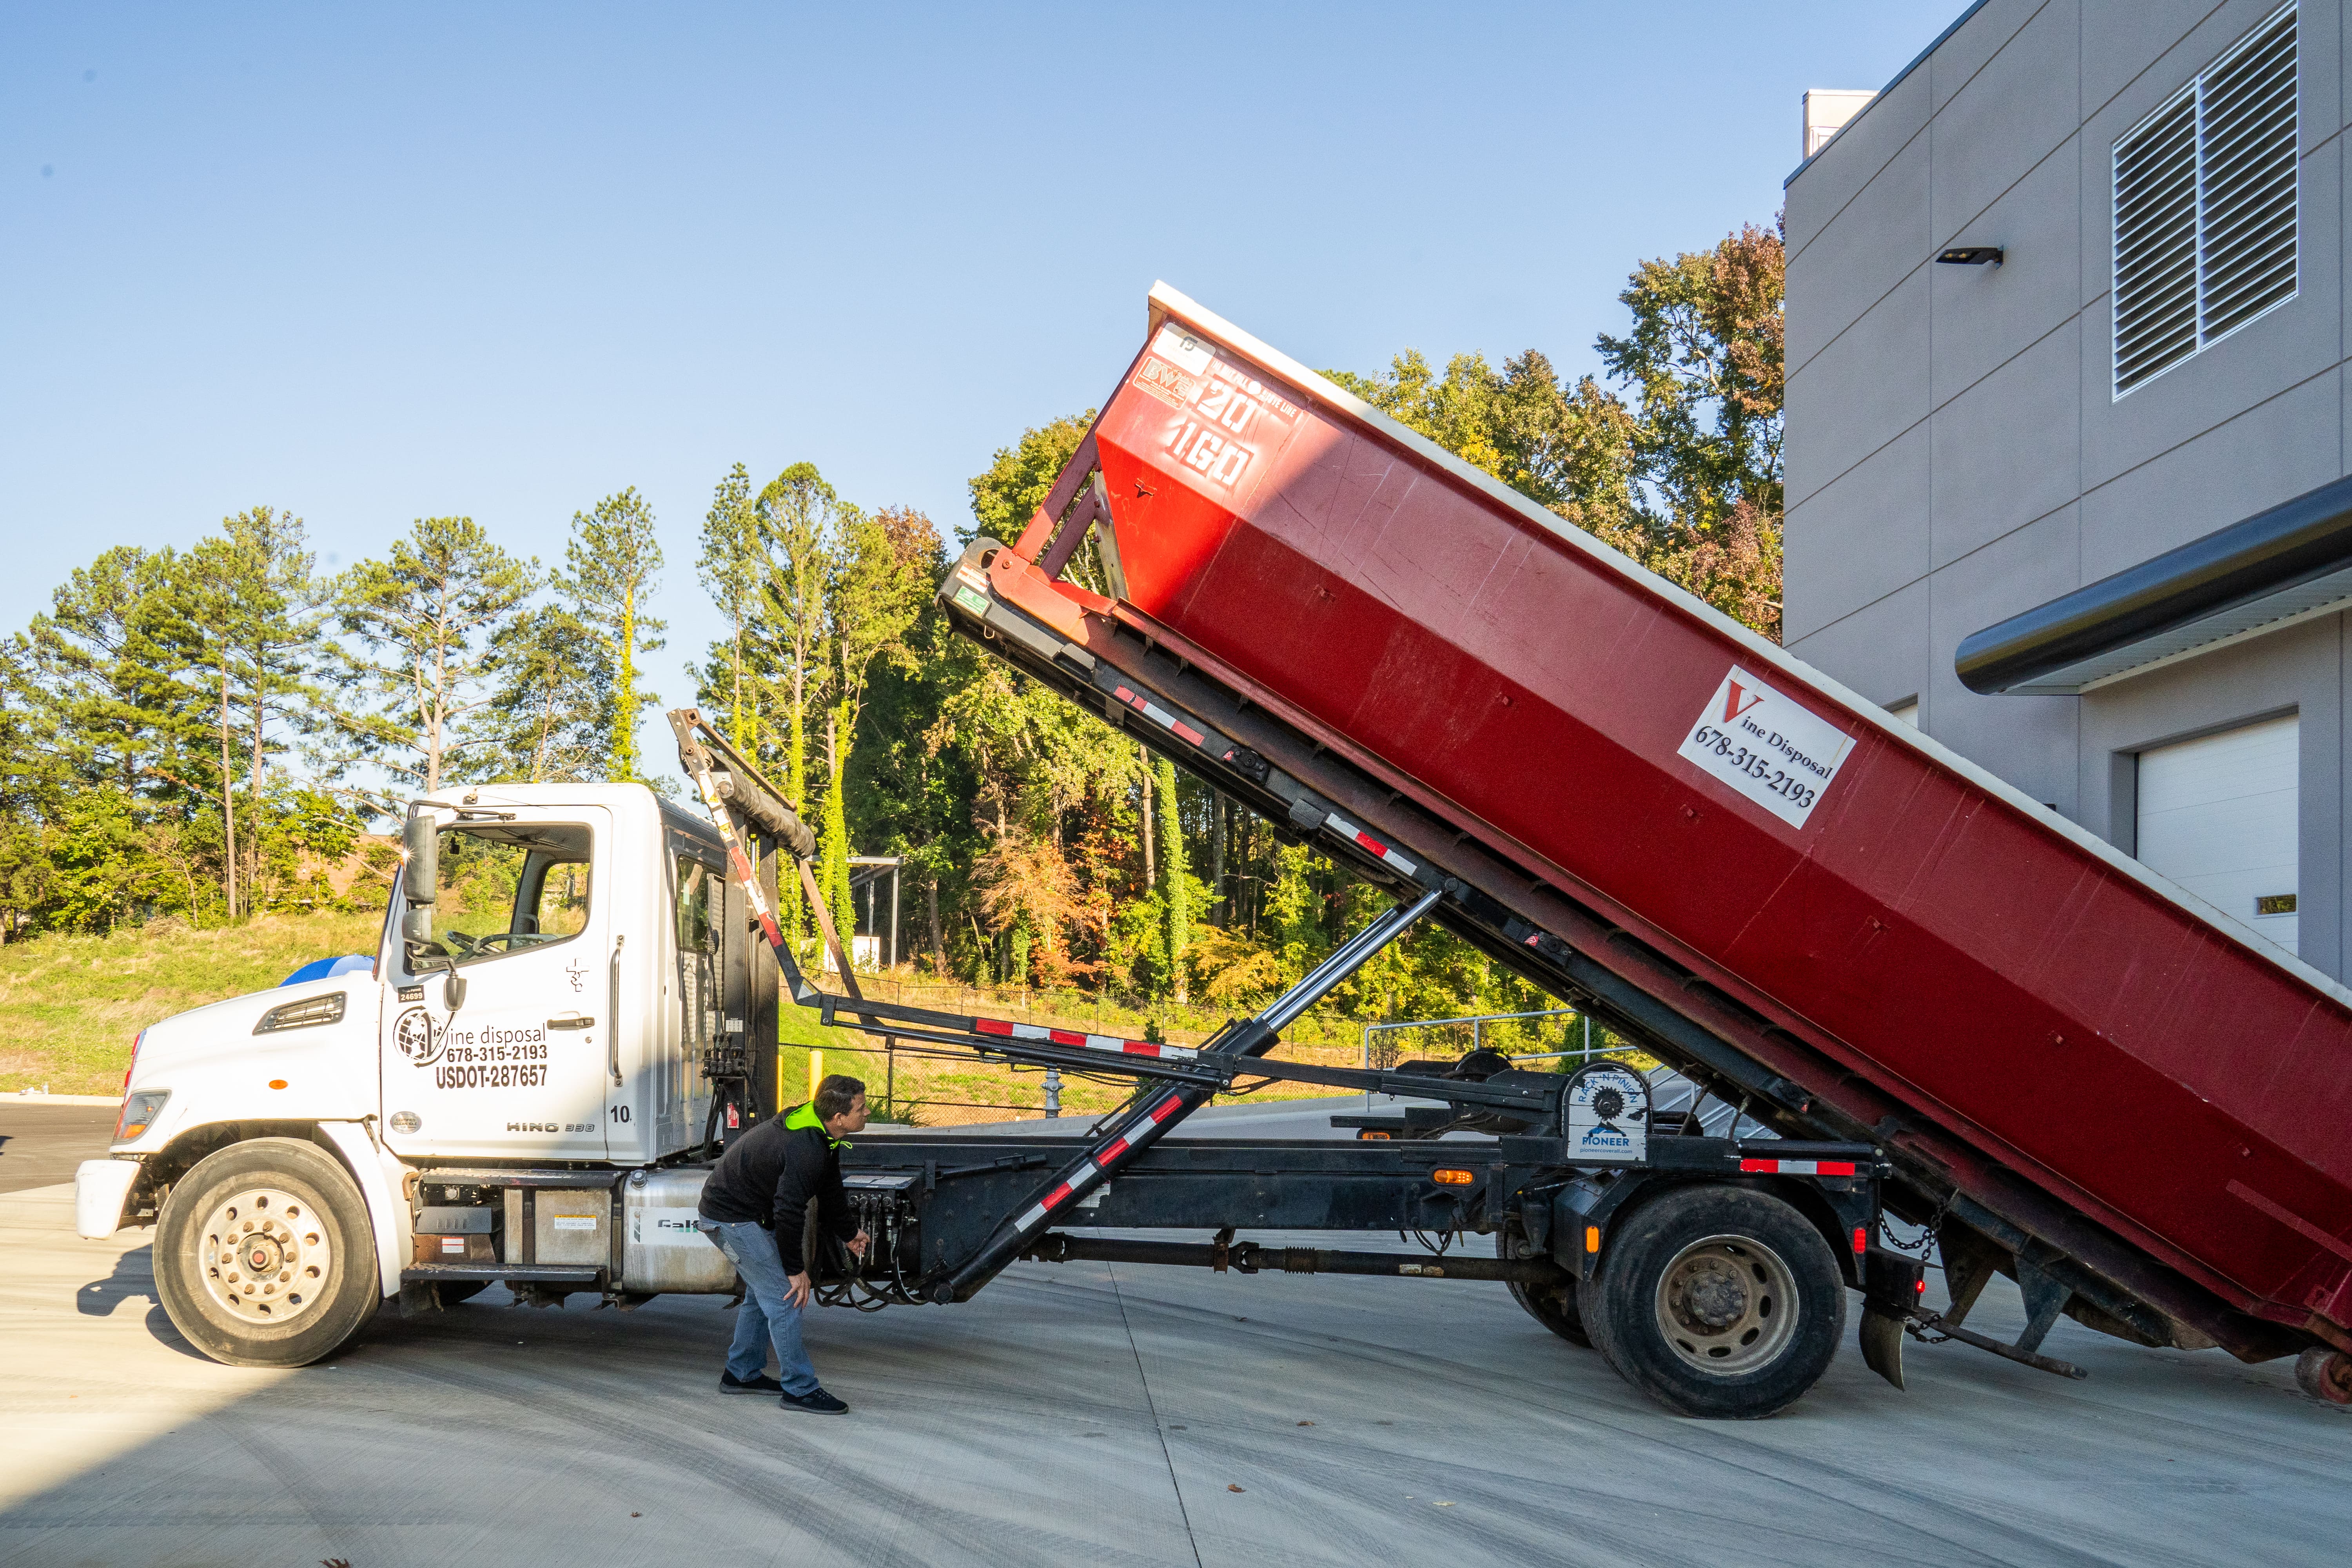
(1101, 1415)
(42, 1142)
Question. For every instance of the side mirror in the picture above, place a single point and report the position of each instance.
(420, 836)
(416, 926)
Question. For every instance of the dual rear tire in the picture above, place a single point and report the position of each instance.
(1716, 1301)
(1554, 1306)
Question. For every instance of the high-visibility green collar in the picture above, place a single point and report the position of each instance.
(807, 1116)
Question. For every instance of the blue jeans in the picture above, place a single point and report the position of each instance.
(765, 1317)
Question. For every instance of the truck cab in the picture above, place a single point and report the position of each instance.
(543, 1016)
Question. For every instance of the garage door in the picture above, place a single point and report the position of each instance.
(2216, 815)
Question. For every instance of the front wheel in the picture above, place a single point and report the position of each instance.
(263, 1255)
(1717, 1301)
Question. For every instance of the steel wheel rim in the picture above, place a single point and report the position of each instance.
(266, 1256)
(1727, 1305)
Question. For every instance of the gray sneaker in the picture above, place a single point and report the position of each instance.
(816, 1402)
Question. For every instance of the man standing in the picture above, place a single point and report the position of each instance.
(754, 1208)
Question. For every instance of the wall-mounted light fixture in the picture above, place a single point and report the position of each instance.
(1971, 255)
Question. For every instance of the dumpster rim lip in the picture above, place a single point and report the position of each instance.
(1165, 301)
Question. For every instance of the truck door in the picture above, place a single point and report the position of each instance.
(668, 1101)
(519, 1068)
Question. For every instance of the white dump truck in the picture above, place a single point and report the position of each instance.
(573, 1005)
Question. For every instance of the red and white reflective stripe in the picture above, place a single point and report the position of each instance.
(1099, 1165)
(1060, 1194)
(1799, 1167)
(1141, 1048)
(1346, 830)
(1083, 1042)
(1159, 716)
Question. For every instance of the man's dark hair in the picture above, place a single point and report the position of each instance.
(835, 1095)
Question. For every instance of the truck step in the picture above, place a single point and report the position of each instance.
(541, 1273)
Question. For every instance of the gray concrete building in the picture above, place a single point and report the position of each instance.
(2067, 427)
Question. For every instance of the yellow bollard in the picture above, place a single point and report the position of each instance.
(816, 1070)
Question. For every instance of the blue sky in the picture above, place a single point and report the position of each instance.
(374, 265)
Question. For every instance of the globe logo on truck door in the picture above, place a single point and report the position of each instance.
(416, 1038)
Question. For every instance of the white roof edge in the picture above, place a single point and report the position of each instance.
(1166, 300)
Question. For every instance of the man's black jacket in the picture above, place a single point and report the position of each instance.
(768, 1176)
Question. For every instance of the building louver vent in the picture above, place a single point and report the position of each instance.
(2205, 188)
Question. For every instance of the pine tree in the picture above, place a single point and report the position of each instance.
(436, 616)
(609, 580)
(1175, 883)
(730, 570)
(796, 513)
(252, 599)
(550, 718)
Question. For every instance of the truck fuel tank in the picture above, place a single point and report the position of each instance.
(662, 1248)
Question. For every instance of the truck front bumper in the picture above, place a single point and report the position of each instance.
(101, 1189)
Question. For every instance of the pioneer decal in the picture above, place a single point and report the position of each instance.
(1778, 754)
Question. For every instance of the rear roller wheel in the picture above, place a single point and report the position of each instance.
(1716, 1301)
(263, 1255)
(2324, 1374)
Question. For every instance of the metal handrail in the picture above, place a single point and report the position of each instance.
(1478, 1022)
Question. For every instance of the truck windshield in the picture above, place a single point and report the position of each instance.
(505, 885)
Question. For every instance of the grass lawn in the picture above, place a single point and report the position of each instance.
(71, 1005)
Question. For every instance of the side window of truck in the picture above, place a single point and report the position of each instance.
(702, 891)
(510, 887)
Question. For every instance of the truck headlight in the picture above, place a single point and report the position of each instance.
(139, 1113)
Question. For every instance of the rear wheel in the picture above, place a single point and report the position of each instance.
(1716, 1301)
(263, 1255)
(1553, 1306)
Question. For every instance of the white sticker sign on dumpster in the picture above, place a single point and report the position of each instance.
(1778, 754)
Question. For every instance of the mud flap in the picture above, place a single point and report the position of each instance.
(1881, 1344)
(1890, 1292)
